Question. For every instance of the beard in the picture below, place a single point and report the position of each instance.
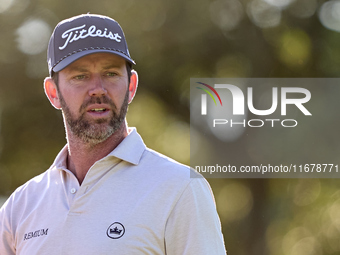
(93, 132)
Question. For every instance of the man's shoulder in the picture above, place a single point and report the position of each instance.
(35, 185)
(164, 165)
(161, 158)
(25, 196)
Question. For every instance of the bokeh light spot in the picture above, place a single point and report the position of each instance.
(306, 191)
(295, 48)
(33, 36)
(234, 201)
(280, 3)
(329, 15)
(226, 14)
(5, 5)
(263, 14)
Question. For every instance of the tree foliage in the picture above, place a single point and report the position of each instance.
(173, 41)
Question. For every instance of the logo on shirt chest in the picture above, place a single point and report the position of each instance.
(37, 233)
(116, 230)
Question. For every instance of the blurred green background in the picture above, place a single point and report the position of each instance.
(173, 41)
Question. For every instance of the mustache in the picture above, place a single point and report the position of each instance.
(98, 100)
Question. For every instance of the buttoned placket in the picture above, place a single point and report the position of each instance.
(74, 191)
(71, 186)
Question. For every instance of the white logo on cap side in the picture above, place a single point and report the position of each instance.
(77, 33)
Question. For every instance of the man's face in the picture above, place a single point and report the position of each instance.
(94, 96)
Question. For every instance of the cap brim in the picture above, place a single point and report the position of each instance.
(70, 59)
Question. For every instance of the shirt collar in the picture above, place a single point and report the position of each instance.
(60, 160)
(130, 149)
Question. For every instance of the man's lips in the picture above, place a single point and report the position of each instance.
(98, 108)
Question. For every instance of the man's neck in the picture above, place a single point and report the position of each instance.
(81, 156)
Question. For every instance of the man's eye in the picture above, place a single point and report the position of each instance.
(79, 77)
(111, 74)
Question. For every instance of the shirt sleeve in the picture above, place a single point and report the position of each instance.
(6, 236)
(194, 226)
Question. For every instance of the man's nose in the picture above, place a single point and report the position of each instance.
(97, 86)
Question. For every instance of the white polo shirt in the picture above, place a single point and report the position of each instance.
(133, 201)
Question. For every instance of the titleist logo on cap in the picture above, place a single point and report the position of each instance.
(78, 33)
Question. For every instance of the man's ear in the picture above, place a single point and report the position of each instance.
(51, 92)
(133, 85)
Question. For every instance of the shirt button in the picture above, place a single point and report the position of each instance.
(73, 190)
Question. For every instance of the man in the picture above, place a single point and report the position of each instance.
(105, 193)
